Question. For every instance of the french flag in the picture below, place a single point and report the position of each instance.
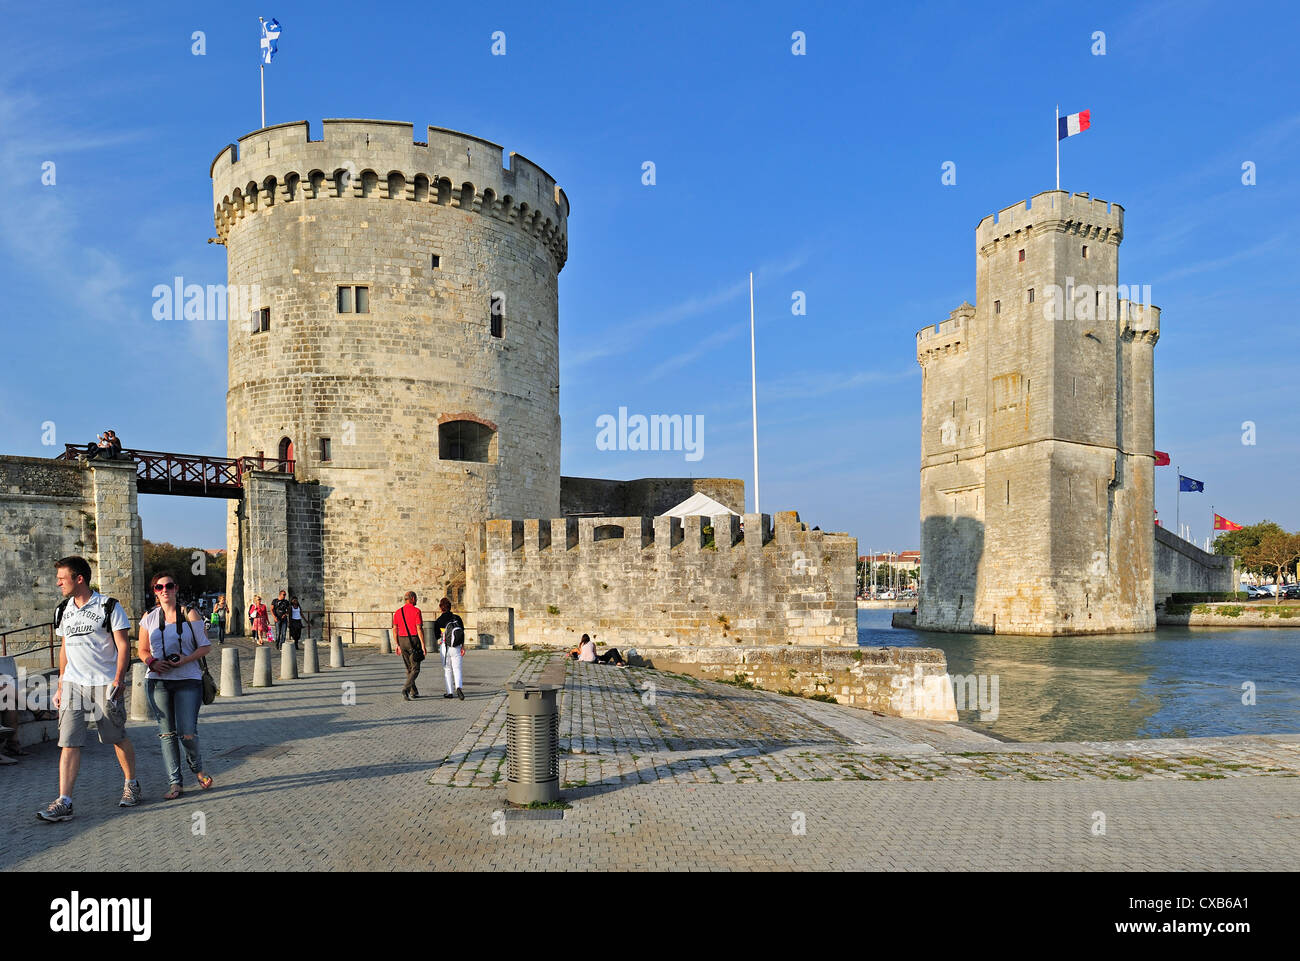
(1074, 123)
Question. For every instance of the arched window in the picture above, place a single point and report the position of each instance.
(466, 440)
(608, 532)
(286, 454)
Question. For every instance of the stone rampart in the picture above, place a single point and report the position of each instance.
(51, 509)
(641, 581)
(1182, 567)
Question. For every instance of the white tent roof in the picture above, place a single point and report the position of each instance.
(698, 503)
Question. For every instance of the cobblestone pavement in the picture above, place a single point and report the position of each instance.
(306, 781)
(639, 726)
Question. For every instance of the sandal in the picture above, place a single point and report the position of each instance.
(173, 793)
(205, 781)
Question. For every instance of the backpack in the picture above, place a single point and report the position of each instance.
(453, 634)
(110, 604)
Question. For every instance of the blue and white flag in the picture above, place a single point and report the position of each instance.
(1187, 484)
(270, 34)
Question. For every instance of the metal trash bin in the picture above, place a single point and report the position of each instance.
(532, 743)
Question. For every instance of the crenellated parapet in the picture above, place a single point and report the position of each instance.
(1052, 210)
(1141, 321)
(378, 159)
(699, 580)
(948, 337)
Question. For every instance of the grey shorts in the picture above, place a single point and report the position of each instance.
(81, 704)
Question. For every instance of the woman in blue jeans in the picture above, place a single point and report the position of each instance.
(171, 645)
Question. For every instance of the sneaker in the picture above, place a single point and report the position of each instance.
(445, 696)
(130, 795)
(57, 811)
(460, 694)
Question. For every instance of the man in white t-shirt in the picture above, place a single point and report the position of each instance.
(93, 660)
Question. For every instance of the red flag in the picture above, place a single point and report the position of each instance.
(1162, 459)
(1223, 524)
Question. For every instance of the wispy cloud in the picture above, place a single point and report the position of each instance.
(692, 306)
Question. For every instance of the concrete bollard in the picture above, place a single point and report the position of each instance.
(139, 693)
(232, 685)
(262, 666)
(310, 656)
(288, 662)
(386, 644)
(336, 651)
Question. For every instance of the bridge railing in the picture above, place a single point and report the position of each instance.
(164, 469)
(35, 646)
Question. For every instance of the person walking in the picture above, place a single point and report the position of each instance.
(258, 619)
(93, 659)
(218, 618)
(280, 609)
(171, 644)
(408, 625)
(296, 621)
(451, 630)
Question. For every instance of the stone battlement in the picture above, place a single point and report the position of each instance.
(947, 337)
(1056, 210)
(379, 159)
(1141, 321)
(631, 581)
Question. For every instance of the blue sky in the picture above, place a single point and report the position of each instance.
(819, 172)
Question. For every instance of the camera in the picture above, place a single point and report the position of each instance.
(173, 658)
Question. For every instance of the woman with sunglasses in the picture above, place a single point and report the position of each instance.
(171, 644)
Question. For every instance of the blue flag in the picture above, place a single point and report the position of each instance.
(1187, 484)
(270, 34)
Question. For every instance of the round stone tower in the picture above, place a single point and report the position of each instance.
(394, 329)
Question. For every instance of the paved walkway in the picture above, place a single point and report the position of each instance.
(308, 781)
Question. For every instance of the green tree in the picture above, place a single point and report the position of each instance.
(1238, 543)
(1277, 552)
(196, 571)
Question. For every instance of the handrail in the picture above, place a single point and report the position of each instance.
(352, 627)
(4, 641)
(160, 466)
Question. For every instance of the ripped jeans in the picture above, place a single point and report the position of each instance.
(176, 705)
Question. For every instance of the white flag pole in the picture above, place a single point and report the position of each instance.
(261, 70)
(1056, 131)
(753, 386)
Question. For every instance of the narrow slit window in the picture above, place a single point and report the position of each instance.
(497, 316)
(325, 451)
(1021, 258)
(997, 306)
(1031, 295)
(435, 261)
(1085, 251)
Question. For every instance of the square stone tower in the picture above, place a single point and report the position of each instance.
(1037, 433)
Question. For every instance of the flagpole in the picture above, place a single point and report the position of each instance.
(261, 69)
(1056, 130)
(753, 386)
(1178, 501)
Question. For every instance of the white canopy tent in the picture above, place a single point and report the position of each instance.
(698, 503)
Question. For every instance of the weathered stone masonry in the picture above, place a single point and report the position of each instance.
(659, 585)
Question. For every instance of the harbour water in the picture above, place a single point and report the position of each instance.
(1176, 682)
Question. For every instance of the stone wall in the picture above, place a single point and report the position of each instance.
(896, 681)
(51, 509)
(646, 496)
(659, 584)
(1182, 567)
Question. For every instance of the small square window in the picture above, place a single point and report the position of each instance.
(324, 448)
(997, 306)
(345, 300)
(363, 300)
(1031, 295)
(435, 261)
(1022, 255)
(261, 320)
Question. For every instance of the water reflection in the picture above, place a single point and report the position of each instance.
(1176, 682)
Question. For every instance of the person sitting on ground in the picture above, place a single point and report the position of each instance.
(587, 653)
(10, 749)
